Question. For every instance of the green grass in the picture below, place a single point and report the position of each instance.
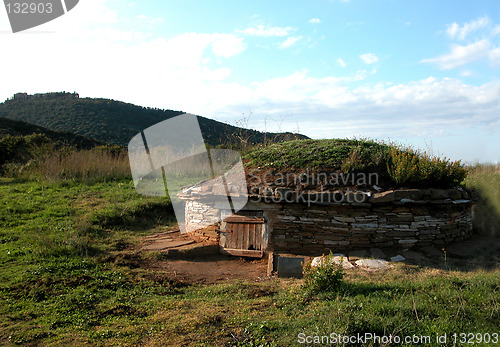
(267, 314)
(58, 263)
(314, 154)
(67, 278)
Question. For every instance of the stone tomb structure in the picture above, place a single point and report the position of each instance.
(282, 220)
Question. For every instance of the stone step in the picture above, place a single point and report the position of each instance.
(163, 234)
(165, 244)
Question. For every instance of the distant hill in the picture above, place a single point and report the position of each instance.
(59, 138)
(115, 122)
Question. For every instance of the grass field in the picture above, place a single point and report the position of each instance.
(69, 276)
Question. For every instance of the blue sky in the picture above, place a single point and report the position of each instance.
(423, 73)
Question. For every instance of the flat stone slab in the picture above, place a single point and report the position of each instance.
(432, 251)
(412, 255)
(158, 235)
(290, 267)
(317, 261)
(377, 253)
(373, 264)
(336, 259)
(164, 244)
(407, 243)
(398, 258)
(161, 238)
(358, 254)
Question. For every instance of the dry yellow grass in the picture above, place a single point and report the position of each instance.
(84, 165)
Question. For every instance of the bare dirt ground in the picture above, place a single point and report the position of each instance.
(200, 263)
(185, 260)
(215, 268)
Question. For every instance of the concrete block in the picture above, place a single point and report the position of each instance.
(290, 266)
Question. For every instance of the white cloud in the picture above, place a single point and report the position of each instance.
(369, 58)
(86, 15)
(333, 109)
(105, 61)
(227, 45)
(454, 30)
(98, 58)
(481, 32)
(496, 30)
(494, 56)
(314, 20)
(341, 62)
(461, 55)
(290, 41)
(262, 30)
(150, 20)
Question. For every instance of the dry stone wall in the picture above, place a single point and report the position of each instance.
(199, 219)
(320, 222)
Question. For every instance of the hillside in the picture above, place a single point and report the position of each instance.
(59, 138)
(113, 121)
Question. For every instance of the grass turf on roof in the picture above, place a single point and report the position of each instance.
(405, 167)
(312, 154)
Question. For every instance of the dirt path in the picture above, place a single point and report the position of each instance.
(215, 268)
(200, 263)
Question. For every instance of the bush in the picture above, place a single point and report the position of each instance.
(410, 168)
(20, 149)
(327, 277)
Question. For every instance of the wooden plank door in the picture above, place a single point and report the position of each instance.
(243, 236)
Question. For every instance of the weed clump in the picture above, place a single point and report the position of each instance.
(326, 277)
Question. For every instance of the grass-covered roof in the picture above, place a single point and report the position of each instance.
(398, 165)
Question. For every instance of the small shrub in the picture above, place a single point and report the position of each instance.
(403, 167)
(20, 149)
(328, 277)
(411, 168)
